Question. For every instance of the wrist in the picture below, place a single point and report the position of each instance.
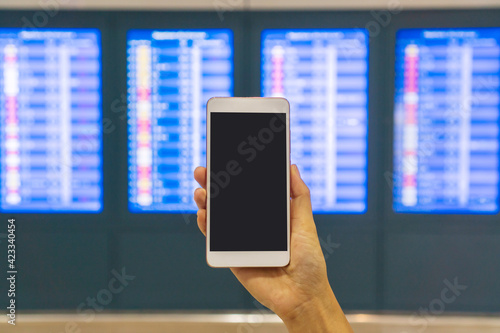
(319, 314)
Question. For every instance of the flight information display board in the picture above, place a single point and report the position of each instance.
(446, 144)
(50, 128)
(171, 76)
(324, 75)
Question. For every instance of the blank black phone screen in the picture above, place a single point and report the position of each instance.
(248, 181)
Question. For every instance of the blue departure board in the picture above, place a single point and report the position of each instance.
(171, 76)
(50, 128)
(447, 108)
(324, 76)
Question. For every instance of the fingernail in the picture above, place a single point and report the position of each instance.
(296, 169)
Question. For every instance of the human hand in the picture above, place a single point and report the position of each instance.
(299, 293)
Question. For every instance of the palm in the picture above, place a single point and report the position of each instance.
(282, 289)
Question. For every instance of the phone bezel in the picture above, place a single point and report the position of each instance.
(248, 258)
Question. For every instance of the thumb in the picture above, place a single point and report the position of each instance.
(301, 210)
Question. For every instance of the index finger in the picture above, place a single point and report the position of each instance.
(200, 174)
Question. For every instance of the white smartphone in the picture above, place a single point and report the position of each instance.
(248, 182)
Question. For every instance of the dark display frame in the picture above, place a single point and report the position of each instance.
(379, 260)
